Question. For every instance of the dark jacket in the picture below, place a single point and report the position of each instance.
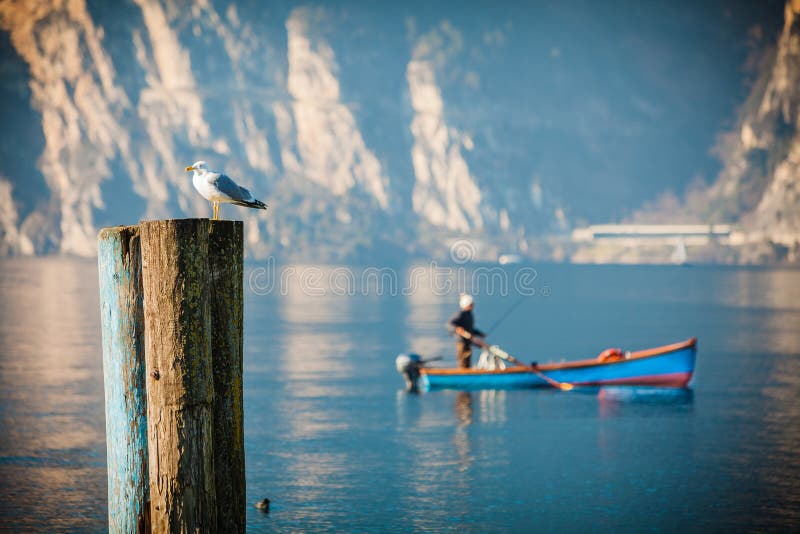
(465, 320)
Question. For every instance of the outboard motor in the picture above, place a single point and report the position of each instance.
(408, 365)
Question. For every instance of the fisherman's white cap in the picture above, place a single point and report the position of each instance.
(465, 301)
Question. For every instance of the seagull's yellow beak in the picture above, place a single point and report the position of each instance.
(189, 168)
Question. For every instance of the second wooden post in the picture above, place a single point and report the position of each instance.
(226, 251)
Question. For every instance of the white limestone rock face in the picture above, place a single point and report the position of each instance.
(12, 241)
(778, 212)
(73, 86)
(445, 193)
(760, 180)
(320, 139)
(96, 130)
(122, 112)
(410, 144)
(169, 108)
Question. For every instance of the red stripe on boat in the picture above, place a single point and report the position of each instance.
(677, 380)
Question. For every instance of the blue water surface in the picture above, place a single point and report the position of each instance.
(337, 445)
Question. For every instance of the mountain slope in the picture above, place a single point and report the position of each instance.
(369, 129)
(759, 186)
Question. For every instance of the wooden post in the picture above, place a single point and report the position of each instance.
(226, 246)
(171, 304)
(122, 321)
(180, 384)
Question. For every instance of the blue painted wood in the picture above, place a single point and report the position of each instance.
(122, 320)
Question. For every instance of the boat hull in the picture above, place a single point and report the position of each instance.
(668, 366)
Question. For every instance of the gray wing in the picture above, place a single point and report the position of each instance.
(228, 187)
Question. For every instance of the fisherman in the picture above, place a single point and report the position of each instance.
(462, 324)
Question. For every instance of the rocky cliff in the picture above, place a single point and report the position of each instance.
(387, 129)
(759, 185)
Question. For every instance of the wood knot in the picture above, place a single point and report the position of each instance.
(155, 374)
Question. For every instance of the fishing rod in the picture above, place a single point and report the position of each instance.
(506, 314)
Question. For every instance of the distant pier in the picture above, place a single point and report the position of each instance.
(691, 234)
(652, 243)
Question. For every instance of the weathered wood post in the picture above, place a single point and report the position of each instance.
(122, 320)
(226, 252)
(180, 384)
(172, 296)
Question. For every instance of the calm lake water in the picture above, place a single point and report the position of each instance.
(337, 445)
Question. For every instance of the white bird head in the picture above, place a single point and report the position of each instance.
(198, 166)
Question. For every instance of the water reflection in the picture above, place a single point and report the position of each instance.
(51, 389)
(464, 408)
(324, 427)
(773, 289)
(781, 430)
(463, 411)
(613, 399)
(418, 413)
(493, 406)
(767, 290)
(312, 354)
(426, 316)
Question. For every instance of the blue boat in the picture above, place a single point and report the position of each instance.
(667, 366)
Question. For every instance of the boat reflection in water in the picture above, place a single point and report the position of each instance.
(611, 399)
(491, 408)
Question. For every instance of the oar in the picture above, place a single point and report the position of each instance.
(497, 351)
(500, 353)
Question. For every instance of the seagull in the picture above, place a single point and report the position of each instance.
(218, 187)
